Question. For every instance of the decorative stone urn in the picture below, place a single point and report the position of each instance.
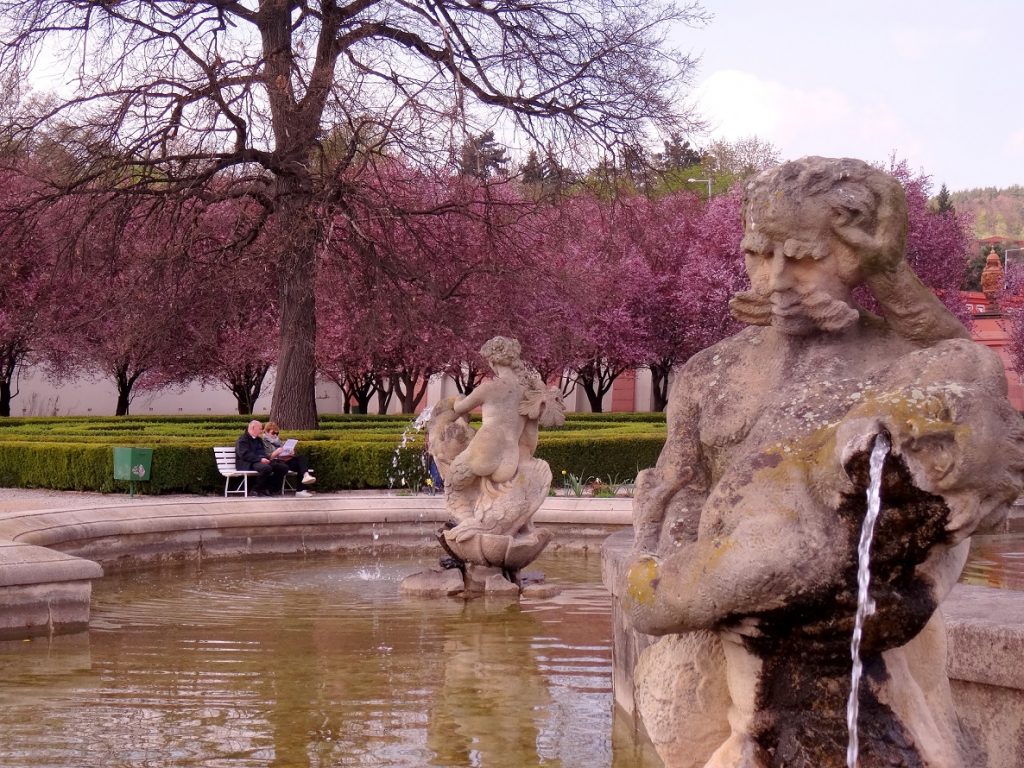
(746, 532)
(493, 484)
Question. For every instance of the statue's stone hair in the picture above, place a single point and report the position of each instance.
(502, 350)
(857, 193)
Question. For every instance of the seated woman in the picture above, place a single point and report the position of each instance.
(293, 461)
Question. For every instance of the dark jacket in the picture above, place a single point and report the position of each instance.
(248, 451)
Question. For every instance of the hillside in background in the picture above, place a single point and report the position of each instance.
(996, 212)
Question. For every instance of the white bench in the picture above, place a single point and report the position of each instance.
(225, 456)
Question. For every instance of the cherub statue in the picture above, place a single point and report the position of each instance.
(493, 483)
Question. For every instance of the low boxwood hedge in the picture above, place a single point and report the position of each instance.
(347, 452)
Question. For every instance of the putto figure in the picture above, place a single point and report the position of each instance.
(493, 483)
(747, 528)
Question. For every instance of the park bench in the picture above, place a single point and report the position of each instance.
(225, 456)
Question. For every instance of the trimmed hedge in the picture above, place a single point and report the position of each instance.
(348, 452)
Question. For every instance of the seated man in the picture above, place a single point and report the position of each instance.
(251, 454)
(293, 461)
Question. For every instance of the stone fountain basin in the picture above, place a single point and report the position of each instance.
(48, 558)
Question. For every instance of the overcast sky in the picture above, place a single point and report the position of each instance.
(940, 83)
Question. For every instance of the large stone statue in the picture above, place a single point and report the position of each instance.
(493, 484)
(747, 528)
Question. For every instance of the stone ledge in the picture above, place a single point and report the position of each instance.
(24, 564)
(985, 627)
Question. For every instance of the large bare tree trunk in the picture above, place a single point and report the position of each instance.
(8, 365)
(294, 403)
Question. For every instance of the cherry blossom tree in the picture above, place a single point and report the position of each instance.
(27, 285)
(938, 242)
(593, 267)
(232, 324)
(231, 100)
(125, 317)
(453, 244)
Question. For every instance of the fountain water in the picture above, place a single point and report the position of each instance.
(865, 605)
(398, 471)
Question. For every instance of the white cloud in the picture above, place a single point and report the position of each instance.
(816, 121)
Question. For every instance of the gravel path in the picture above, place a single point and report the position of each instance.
(21, 499)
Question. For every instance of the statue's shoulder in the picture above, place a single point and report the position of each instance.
(963, 358)
(741, 347)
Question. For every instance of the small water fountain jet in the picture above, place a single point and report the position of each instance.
(865, 605)
(747, 533)
(398, 472)
(493, 483)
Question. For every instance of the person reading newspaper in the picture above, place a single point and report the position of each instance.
(284, 451)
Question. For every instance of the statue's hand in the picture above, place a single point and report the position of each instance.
(881, 247)
(444, 406)
(748, 626)
(642, 579)
(653, 490)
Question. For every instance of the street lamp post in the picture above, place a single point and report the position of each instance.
(702, 181)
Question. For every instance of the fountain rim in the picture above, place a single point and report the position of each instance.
(49, 557)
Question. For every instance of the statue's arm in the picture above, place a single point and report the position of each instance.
(908, 305)
(474, 399)
(717, 581)
(911, 308)
(677, 464)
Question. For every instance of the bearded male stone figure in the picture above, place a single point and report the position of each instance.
(747, 528)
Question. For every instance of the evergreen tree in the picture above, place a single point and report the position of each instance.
(482, 156)
(678, 154)
(943, 201)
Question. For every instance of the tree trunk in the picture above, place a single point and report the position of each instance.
(124, 396)
(5, 397)
(8, 365)
(467, 378)
(408, 393)
(593, 396)
(125, 384)
(362, 391)
(247, 387)
(385, 389)
(596, 378)
(659, 384)
(10, 359)
(294, 402)
(356, 393)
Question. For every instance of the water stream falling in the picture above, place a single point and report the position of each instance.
(397, 473)
(865, 605)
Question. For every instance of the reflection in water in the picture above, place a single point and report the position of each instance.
(491, 674)
(317, 663)
(996, 560)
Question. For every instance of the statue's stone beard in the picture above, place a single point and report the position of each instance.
(794, 313)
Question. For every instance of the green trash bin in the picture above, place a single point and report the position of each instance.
(133, 465)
